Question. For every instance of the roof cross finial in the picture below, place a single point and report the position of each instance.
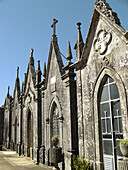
(79, 24)
(8, 90)
(31, 52)
(17, 72)
(54, 26)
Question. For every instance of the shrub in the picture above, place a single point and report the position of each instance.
(123, 142)
(79, 163)
(55, 140)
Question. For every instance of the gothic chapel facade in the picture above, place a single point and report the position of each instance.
(86, 108)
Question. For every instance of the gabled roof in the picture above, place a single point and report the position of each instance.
(30, 69)
(79, 43)
(8, 98)
(101, 9)
(54, 46)
(17, 85)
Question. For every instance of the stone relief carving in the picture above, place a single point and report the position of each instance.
(102, 42)
(104, 7)
(105, 62)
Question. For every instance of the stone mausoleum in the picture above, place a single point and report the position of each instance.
(83, 103)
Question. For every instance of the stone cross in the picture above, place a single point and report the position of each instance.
(31, 52)
(17, 72)
(54, 26)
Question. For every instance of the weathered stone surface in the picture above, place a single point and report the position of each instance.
(67, 104)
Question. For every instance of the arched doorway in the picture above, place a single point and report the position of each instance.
(111, 122)
(29, 134)
(15, 139)
(5, 132)
(55, 122)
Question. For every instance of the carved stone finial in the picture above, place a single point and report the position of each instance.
(79, 24)
(31, 60)
(69, 57)
(99, 0)
(79, 43)
(31, 52)
(8, 90)
(105, 8)
(69, 53)
(54, 26)
(44, 70)
(38, 65)
(17, 72)
(25, 75)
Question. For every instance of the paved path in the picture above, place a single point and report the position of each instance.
(11, 161)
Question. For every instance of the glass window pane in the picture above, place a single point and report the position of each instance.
(106, 81)
(103, 126)
(120, 125)
(116, 125)
(114, 91)
(110, 109)
(107, 147)
(108, 125)
(55, 122)
(104, 94)
(118, 152)
(110, 80)
(105, 109)
(116, 108)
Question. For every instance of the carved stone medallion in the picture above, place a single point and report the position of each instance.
(102, 42)
(105, 62)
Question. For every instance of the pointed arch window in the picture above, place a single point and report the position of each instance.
(111, 122)
(29, 129)
(16, 130)
(110, 107)
(55, 121)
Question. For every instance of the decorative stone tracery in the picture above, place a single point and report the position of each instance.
(103, 40)
(104, 7)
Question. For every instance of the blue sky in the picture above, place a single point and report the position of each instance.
(26, 24)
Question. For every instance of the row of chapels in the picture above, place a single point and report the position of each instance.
(86, 109)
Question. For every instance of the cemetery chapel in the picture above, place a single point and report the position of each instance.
(83, 103)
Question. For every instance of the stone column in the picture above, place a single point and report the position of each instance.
(38, 114)
(71, 117)
(20, 125)
(37, 131)
(42, 149)
(80, 113)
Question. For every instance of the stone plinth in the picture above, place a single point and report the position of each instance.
(122, 164)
